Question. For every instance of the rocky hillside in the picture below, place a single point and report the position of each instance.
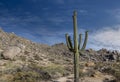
(22, 60)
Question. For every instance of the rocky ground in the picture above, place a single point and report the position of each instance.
(22, 60)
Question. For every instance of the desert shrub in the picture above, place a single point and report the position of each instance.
(6, 78)
(112, 68)
(24, 75)
(1, 55)
(53, 69)
(23, 58)
(33, 72)
(30, 76)
(50, 71)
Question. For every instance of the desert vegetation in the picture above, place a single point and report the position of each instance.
(76, 48)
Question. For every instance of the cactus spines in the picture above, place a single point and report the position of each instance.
(78, 48)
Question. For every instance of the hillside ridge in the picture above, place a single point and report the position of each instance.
(24, 60)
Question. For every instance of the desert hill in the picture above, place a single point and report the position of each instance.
(22, 60)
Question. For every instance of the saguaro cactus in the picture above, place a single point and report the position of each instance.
(77, 49)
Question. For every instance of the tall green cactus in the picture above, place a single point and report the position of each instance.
(77, 49)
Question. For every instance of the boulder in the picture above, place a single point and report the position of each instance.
(11, 52)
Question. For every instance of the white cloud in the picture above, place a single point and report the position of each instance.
(108, 37)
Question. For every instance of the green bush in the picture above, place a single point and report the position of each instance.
(50, 71)
(53, 68)
(30, 76)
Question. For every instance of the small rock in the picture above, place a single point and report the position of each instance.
(89, 64)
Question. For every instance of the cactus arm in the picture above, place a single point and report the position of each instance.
(85, 41)
(68, 45)
(80, 41)
(68, 41)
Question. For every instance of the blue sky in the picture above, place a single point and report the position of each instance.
(47, 21)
